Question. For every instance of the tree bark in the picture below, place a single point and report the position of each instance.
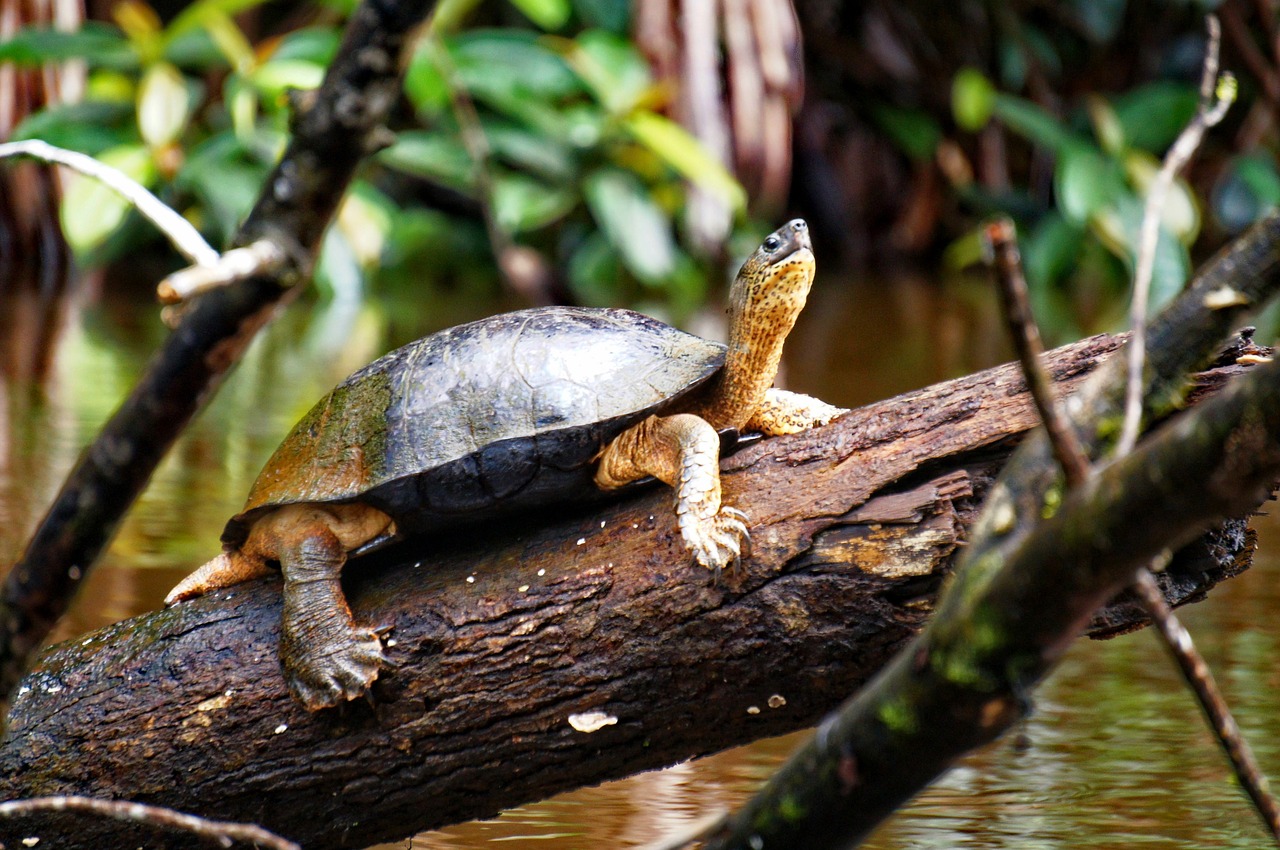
(505, 648)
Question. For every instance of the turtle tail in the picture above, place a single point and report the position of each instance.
(225, 570)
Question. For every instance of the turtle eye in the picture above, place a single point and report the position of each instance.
(771, 244)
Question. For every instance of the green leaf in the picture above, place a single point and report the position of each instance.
(1107, 128)
(274, 77)
(508, 61)
(1050, 250)
(196, 15)
(226, 178)
(1246, 191)
(1033, 123)
(595, 271)
(195, 51)
(612, 15)
(1085, 181)
(548, 14)
(1118, 226)
(425, 84)
(913, 131)
(101, 45)
(310, 44)
(89, 127)
(1153, 115)
(164, 105)
(611, 67)
(522, 204)
(90, 211)
(432, 156)
(679, 149)
(973, 99)
(535, 152)
(635, 225)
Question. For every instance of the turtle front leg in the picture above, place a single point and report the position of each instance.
(785, 412)
(327, 658)
(682, 451)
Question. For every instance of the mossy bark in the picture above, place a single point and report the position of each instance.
(500, 641)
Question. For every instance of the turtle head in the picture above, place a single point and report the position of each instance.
(770, 289)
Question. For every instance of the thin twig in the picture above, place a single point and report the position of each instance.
(1006, 263)
(1071, 457)
(261, 257)
(224, 832)
(177, 229)
(1216, 96)
(1195, 670)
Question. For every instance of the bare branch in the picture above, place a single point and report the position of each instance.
(1216, 96)
(177, 229)
(1198, 676)
(1006, 263)
(224, 832)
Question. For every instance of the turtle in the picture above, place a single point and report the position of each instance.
(491, 418)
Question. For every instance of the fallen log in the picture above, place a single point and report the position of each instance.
(542, 657)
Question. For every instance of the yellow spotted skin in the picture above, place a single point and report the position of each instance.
(682, 449)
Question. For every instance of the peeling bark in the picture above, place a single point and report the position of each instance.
(498, 642)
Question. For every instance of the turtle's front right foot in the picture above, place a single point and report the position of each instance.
(332, 671)
(717, 543)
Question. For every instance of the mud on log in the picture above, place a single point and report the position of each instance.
(500, 645)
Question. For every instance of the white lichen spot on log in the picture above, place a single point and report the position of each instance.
(524, 588)
(542, 572)
(1224, 297)
(525, 628)
(591, 721)
(471, 579)
(279, 730)
(1003, 516)
(777, 701)
(31, 841)
(215, 703)
(753, 709)
(1252, 359)
(581, 540)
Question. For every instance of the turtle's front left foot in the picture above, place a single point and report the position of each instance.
(718, 543)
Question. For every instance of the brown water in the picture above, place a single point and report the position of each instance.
(1114, 756)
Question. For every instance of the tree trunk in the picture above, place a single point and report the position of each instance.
(506, 650)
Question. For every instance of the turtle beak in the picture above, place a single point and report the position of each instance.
(794, 236)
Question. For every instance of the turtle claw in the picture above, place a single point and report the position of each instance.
(341, 670)
(720, 543)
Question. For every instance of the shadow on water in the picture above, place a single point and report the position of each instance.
(1114, 755)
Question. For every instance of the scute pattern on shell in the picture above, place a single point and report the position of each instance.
(476, 413)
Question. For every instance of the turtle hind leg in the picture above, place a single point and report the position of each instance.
(684, 452)
(327, 658)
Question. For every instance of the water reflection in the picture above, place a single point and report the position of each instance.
(1116, 755)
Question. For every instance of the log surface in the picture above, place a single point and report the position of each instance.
(506, 644)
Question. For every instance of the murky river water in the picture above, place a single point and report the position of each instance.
(1114, 756)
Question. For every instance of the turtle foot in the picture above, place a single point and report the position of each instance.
(720, 542)
(341, 670)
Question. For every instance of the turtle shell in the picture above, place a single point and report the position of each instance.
(484, 418)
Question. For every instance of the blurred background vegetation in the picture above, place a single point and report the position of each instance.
(628, 151)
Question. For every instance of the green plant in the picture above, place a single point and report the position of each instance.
(577, 159)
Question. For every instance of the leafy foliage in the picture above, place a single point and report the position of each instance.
(574, 157)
